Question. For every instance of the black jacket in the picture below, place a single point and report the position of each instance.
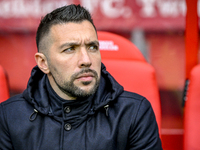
(111, 119)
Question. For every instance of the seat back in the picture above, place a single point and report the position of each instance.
(4, 90)
(128, 66)
(192, 112)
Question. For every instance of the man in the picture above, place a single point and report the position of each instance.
(71, 101)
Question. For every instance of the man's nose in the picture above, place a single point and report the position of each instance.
(84, 58)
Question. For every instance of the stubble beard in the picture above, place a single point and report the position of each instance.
(70, 89)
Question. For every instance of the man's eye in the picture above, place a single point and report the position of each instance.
(93, 47)
(71, 49)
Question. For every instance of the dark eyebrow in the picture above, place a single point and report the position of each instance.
(68, 45)
(93, 43)
(77, 44)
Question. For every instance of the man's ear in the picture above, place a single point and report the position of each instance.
(41, 61)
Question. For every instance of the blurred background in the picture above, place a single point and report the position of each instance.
(156, 27)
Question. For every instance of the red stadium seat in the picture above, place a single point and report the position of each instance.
(126, 63)
(192, 112)
(4, 90)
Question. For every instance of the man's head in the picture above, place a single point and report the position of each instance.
(68, 51)
(65, 14)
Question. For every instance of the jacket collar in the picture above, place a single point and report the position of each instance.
(37, 93)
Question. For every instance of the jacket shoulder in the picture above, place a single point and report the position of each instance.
(13, 99)
(13, 104)
(126, 95)
(131, 95)
(134, 102)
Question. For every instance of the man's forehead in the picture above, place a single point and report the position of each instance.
(70, 27)
(74, 32)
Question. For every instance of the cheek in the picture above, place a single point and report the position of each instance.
(62, 70)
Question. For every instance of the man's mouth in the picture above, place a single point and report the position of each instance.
(85, 76)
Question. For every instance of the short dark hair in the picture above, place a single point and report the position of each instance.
(70, 13)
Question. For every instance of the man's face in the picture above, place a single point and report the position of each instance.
(74, 59)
